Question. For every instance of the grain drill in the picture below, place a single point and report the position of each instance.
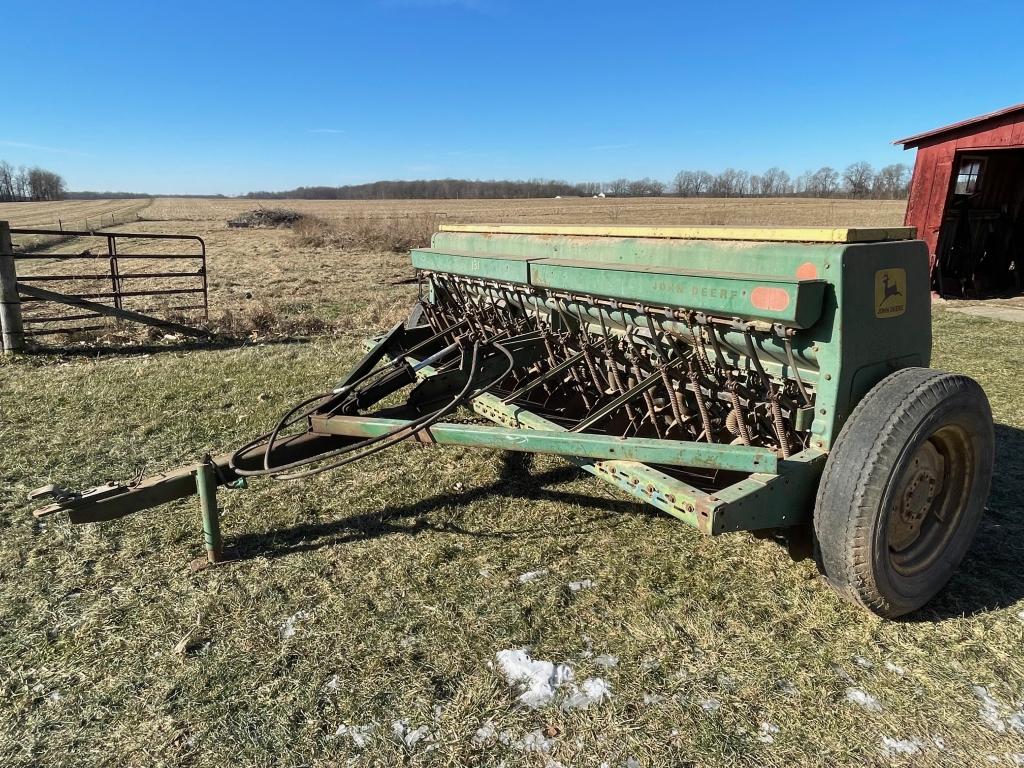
(739, 379)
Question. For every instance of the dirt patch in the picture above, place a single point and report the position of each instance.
(1010, 310)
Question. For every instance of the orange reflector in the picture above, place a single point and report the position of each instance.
(806, 271)
(772, 299)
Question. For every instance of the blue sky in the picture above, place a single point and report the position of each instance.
(227, 97)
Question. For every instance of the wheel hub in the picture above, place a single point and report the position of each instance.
(916, 495)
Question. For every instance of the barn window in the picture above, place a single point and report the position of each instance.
(968, 178)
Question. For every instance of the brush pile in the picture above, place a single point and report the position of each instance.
(275, 218)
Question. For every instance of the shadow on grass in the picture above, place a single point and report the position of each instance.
(515, 480)
(128, 350)
(991, 577)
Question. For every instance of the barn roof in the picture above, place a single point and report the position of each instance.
(917, 138)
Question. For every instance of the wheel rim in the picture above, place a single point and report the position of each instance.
(929, 500)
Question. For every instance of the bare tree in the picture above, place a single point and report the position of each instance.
(801, 183)
(858, 178)
(692, 183)
(730, 183)
(619, 187)
(45, 185)
(6, 181)
(703, 182)
(891, 182)
(824, 182)
(683, 185)
(22, 189)
(645, 187)
(775, 182)
(742, 183)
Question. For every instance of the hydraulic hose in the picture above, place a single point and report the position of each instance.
(366, 447)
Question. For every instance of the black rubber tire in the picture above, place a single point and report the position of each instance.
(864, 472)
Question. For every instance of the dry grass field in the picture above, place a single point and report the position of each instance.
(664, 210)
(367, 619)
(71, 214)
(259, 275)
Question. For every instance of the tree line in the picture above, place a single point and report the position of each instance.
(432, 189)
(23, 184)
(859, 180)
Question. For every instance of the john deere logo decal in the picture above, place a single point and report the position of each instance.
(890, 292)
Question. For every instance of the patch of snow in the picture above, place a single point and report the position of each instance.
(538, 679)
(711, 704)
(359, 734)
(536, 741)
(632, 762)
(607, 660)
(1016, 721)
(333, 684)
(409, 736)
(593, 690)
(529, 576)
(1017, 758)
(862, 662)
(896, 669)
(894, 747)
(940, 743)
(53, 696)
(287, 628)
(989, 712)
(766, 732)
(576, 586)
(652, 698)
(863, 699)
(483, 735)
(1020, 615)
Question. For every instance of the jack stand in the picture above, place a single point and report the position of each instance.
(206, 487)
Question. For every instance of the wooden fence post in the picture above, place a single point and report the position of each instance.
(12, 332)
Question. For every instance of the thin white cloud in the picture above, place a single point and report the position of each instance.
(40, 147)
(324, 130)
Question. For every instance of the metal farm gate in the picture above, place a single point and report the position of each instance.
(125, 275)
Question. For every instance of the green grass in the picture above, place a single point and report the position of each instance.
(406, 570)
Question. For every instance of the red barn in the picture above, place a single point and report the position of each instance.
(967, 202)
